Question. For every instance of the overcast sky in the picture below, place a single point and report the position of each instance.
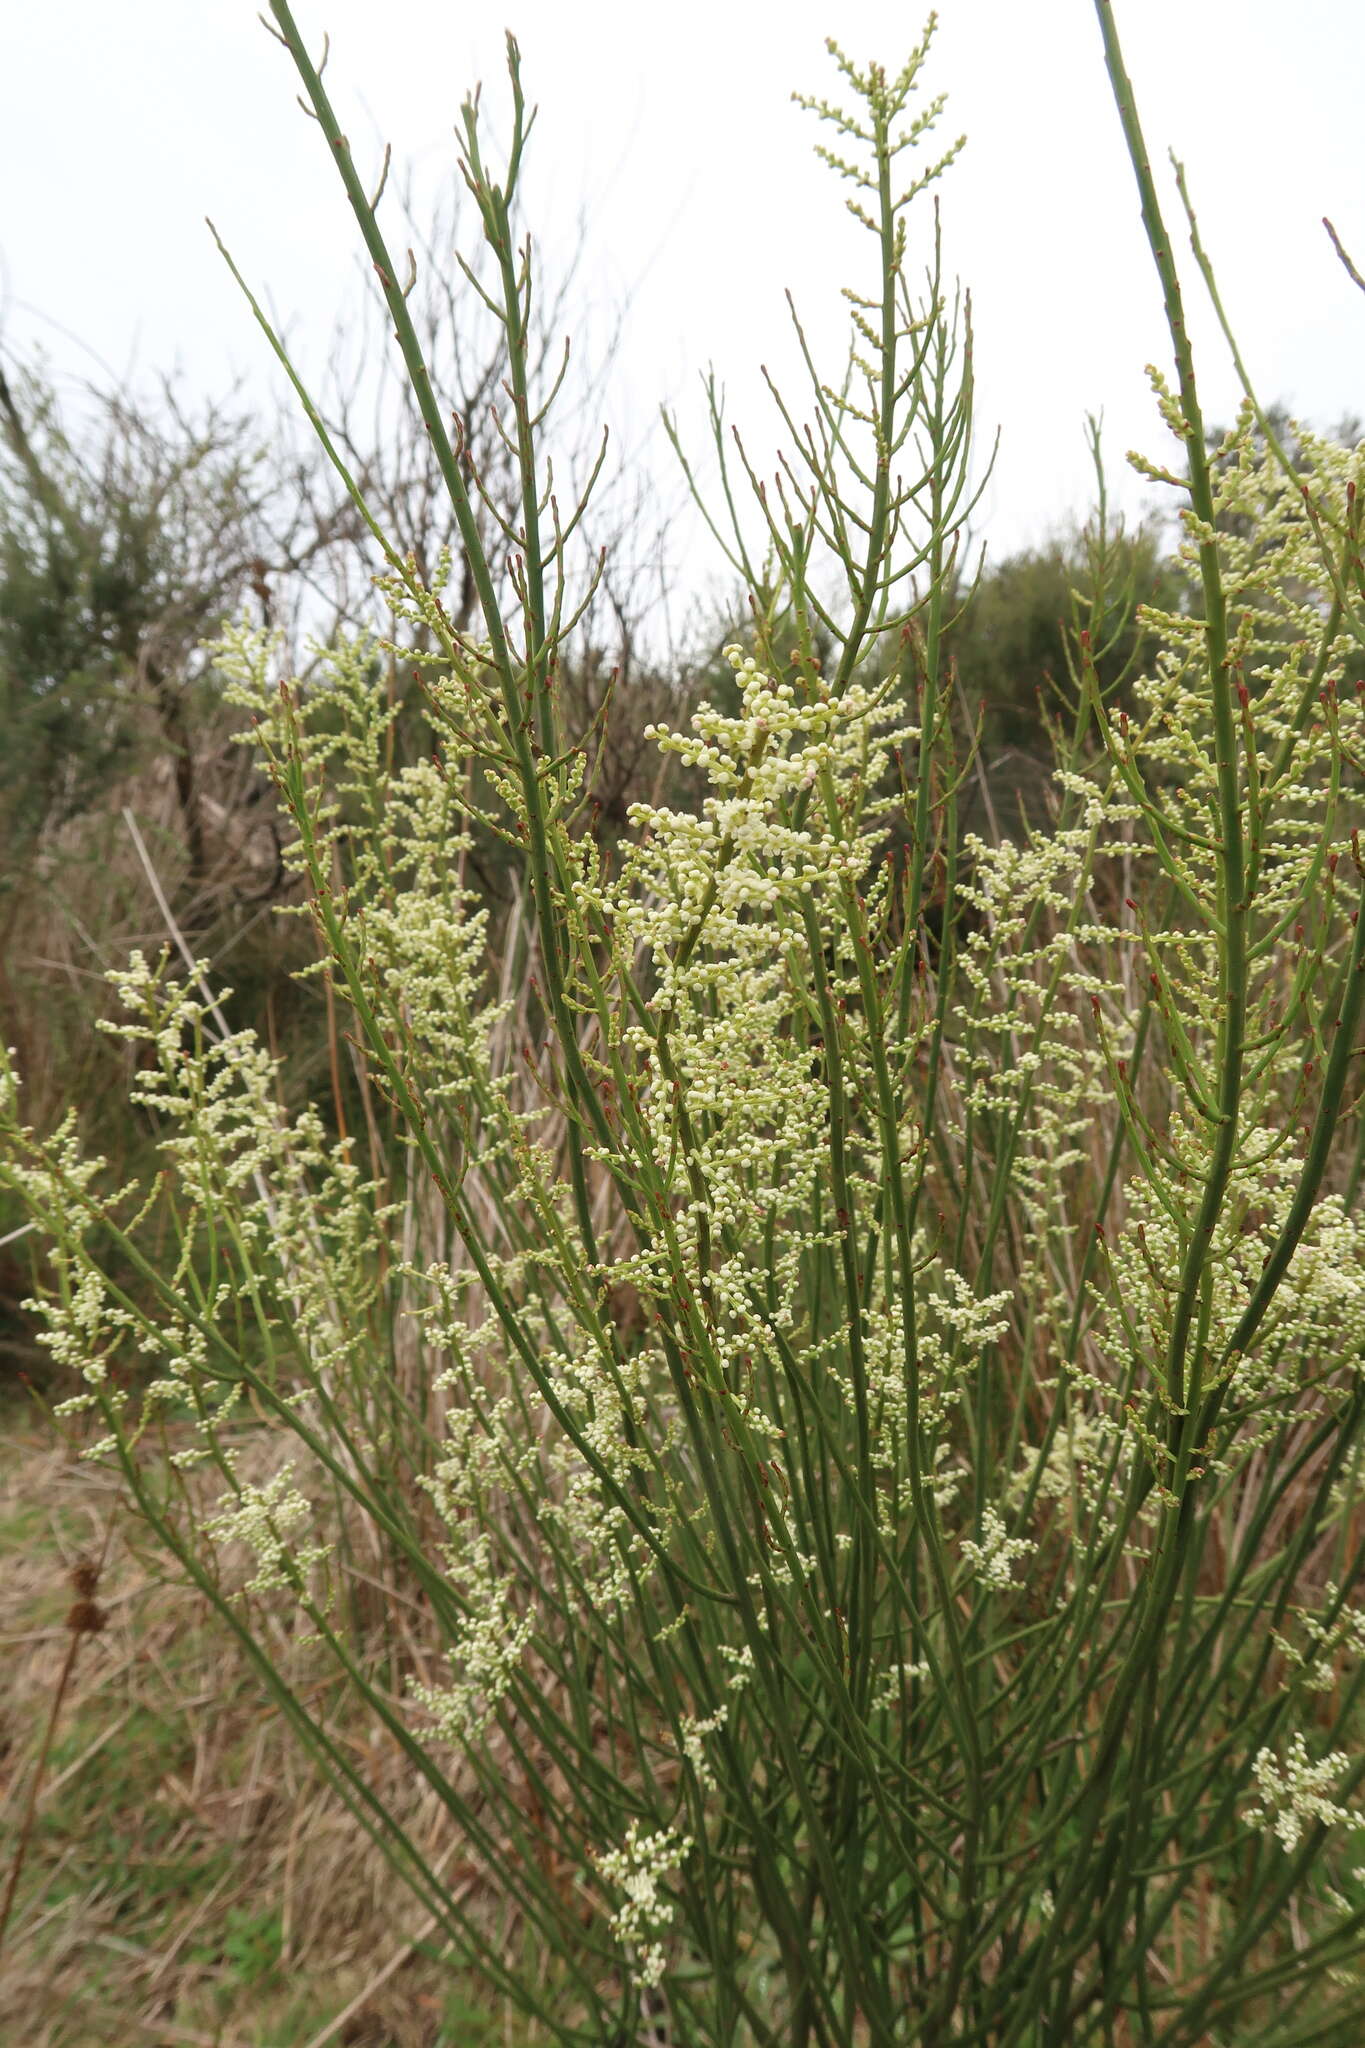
(672, 129)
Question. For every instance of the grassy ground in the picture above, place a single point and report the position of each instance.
(187, 1880)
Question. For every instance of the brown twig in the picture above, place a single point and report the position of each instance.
(84, 1619)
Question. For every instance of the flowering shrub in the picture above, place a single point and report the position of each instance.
(870, 1428)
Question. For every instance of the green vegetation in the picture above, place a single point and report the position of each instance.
(770, 1419)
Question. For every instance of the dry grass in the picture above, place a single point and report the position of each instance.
(188, 1880)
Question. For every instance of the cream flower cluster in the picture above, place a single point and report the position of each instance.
(1276, 536)
(1295, 1793)
(992, 1560)
(1325, 1641)
(639, 1870)
(266, 1519)
(763, 840)
(721, 903)
(1074, 1465)
(487, 1653)
(1321, 1300)
(1037, 964)
(397, 837)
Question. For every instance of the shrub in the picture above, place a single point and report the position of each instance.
(869, 1430)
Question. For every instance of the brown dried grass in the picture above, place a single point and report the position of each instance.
(189, 1878)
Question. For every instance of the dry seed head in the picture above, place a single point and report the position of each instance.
(85, 1578)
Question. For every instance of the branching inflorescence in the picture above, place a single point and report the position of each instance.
(854, 1342)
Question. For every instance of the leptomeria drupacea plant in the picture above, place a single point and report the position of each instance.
(877, 1436)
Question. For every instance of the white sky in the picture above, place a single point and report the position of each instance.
(121, 127)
